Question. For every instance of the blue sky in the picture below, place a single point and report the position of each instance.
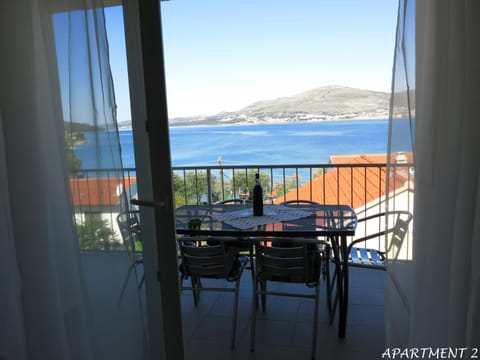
(222, 55)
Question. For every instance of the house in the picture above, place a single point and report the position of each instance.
(364, 187)
(100, 195)
(101, 198)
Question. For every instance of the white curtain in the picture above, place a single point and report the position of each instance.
(44, 307)
(443, 299)
(401, 149)
(12, 340)
(42, 272)
(446, 288)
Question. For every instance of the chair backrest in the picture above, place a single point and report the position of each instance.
(201, 258)
(399, 231)
(297, 263)
(230, 201)
(130, 229)
(299, 202)
(394, 236)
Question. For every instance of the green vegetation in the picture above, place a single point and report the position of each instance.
(191, 187)
(74, 136)
(76, 127)
(281, 188)
(96, 234)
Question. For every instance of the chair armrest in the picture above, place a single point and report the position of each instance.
(365, 238)
(371, 217)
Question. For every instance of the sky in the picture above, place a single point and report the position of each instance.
(222, 55)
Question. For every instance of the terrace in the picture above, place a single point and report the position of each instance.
(284, 330)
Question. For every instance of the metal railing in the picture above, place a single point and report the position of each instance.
(361, 186)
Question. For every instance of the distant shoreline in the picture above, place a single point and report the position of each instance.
(248, 123)
(330, 103)
(245, 123)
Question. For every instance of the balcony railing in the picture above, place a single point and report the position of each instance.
(362, 186)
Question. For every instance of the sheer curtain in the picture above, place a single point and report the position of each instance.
(401, 159)
(54, 70)
(443, 300)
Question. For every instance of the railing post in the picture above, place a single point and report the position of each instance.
(209, 185)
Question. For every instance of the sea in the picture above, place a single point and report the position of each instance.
(261, 144)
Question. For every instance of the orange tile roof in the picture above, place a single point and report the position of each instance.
(97, 191)
(355, 186)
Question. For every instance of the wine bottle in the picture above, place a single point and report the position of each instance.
(257, 197)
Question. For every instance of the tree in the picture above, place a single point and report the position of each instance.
(75, 136)
(192, 187)
(281, 188)
(246, 179)
(96, 234)
(73, 139)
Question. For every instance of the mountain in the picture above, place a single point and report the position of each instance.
(327, 100)
(324, 103)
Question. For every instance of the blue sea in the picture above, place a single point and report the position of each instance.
(288, 143)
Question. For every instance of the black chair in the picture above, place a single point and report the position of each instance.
(299, 263)
(243, 245)
(231, 201)
(130, 230)
(299, 202)
(199, 260)
(324, 247)
(372, 258)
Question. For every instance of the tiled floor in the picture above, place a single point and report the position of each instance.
(283, 331)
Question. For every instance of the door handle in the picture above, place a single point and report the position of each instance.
(154, 204)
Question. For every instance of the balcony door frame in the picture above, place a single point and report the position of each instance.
(143, 32)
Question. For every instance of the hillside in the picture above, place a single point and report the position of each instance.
(324, 103)
(328, 100)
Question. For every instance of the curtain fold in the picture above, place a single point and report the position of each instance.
(52, 304)
(401, 165)
(11, 316)
(433, 298)
(55, 71)
(447, 195)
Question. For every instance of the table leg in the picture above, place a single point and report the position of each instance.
(344, 304)
(339, 245)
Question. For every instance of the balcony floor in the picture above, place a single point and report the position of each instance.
(283, 331)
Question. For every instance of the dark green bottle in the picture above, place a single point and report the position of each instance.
(257, 197)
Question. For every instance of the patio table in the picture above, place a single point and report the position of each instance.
(335, 222)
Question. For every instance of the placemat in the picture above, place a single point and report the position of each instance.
(244, 219)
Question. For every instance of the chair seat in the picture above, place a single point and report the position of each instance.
(299, 261)
(234, 274)
(211, 258)
(370, 258)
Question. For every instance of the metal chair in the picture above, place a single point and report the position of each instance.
(243, 245)
(299, 263)
(324, 246)
(200, 260)
(130, 229)
(230, 201)
(299, 202)
(372, 258)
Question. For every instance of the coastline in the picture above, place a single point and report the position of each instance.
(273, 122)
(251, 123)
